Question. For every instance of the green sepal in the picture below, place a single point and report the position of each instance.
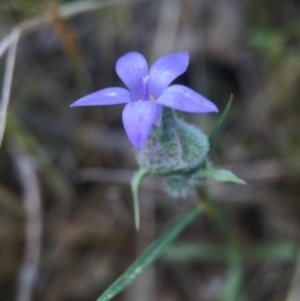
(135, 185)
(173, 147)
(221, 175)
(219, 125)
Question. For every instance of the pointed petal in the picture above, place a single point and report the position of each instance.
(165, 70)
(138, 118)
(184, 99)
(108, 96)
(131, 68)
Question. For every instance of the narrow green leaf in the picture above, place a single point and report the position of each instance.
(151, 253)
(204, 252)
(191, 252)
(276, 251)
(135, 185)
(217, 128)
(219, 175)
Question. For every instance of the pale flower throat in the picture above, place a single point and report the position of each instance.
(146, 94)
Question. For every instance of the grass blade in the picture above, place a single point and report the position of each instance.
(151, 253)
(278, 251)
(234, 278)
(219, 125)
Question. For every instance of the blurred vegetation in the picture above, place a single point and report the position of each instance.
(83, 162)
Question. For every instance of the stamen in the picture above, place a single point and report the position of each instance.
(151, 98)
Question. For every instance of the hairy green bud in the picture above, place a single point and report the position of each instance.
(175, 151)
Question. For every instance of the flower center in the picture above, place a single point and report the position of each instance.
(151, 98)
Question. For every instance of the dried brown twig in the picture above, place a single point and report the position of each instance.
(8, 77)
(33, 227)
(66, 11)
(9, 43)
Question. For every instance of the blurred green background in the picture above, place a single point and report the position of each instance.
(66, 222)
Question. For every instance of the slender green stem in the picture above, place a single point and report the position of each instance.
(234, 275)
(155, 249)
(135, 184)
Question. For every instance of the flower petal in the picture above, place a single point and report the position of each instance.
(108, 96)
(138, 118)
(131, 68)
(165, 70)
(184, 99)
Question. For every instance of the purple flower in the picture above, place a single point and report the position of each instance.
(149, 90)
